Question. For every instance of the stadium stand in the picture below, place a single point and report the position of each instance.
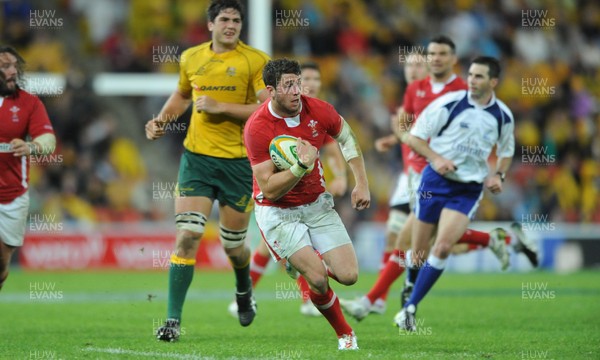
(550, 80)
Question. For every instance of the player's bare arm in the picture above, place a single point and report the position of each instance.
(494, 181)
(41, 145)
(440, 164)
(401, 124)
(361, 198)
(239, 111)
(173, 108)
(337, 163)
(385, 143)
(273, 183)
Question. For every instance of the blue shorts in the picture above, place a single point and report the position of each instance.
(437, 193)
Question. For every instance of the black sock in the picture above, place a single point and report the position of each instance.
(413, 272)
(242, 276)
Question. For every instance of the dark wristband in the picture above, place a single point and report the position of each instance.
(302, 165)
(502, 175)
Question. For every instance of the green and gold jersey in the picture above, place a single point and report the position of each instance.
(233, 77)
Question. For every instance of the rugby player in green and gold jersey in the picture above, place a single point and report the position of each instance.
(222, 78)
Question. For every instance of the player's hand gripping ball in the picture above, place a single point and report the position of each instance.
(283, 152)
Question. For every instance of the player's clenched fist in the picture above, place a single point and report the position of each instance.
(20, 147)
(206, 104)
(155, 129)
(493, 184)
(307, 154)
(442, 165)
(361, 197)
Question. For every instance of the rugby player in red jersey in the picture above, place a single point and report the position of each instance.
(311, 86)
(293, 211)
(25, 130)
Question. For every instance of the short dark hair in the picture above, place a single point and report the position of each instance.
(20, 61)
(492, 63)
(310, 65)
(275, 68)
(216, 6)
(443, 39)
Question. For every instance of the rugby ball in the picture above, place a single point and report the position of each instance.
(282, 150)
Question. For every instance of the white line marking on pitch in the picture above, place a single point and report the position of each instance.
(119, 351)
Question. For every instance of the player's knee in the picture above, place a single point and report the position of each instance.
(187, 242)
(396, 221)
(347, 277)
(232, 239)
(190, 222)
(190, 228)
(239, 256)
(5, 256)
(442, 250)
(317, 281)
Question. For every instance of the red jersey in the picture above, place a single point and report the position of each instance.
(317, 119)
(21, 115)
(418, 95)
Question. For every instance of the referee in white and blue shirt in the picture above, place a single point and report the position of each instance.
(456, 133)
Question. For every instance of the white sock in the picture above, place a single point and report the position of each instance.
(436, 262)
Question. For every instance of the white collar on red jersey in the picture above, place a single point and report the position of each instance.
(291, 122)
(450, 79)
(437, 87)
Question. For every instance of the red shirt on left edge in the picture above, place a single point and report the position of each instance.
(21, 115)
(316, 120)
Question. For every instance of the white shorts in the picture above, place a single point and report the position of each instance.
(401, 194)
(13, 220)
(287, 230)
(414, 180)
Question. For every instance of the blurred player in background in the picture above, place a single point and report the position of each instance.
(293, 211)
(23, 117)
(311, 86)
(456, 134)
(223, 80)
(441, 58)
(415, 69)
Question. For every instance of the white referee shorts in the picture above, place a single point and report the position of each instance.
(401, 194)
(287, 230)
(13, 220)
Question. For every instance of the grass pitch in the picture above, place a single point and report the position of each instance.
(113, 315)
